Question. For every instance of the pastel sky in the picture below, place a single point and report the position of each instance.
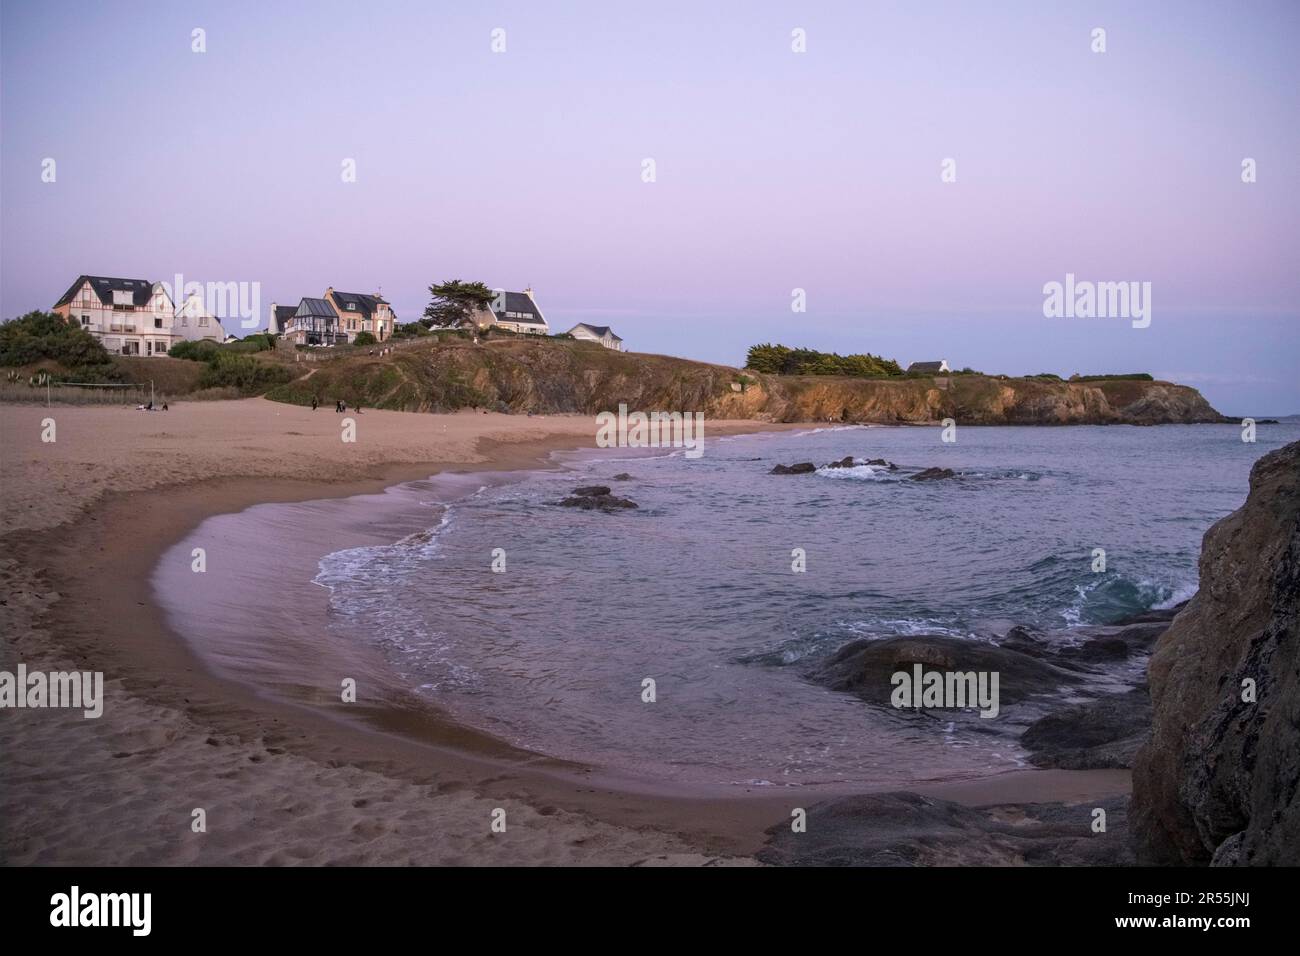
(775, 170)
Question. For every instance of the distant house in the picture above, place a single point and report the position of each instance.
(359, 312)
(315, 322)
(519, 312)
(279, 318)
(128, 316)
(934, 368)
(597, 333)
(195, 323)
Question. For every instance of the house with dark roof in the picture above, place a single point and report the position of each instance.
(597, 333)
(930, 368)
(359, 312)
(279, 318)
(315, 322)
(519, 312)
(128, 316)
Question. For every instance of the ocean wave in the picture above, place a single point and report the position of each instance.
(859, 473)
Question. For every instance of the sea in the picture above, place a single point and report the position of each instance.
(675, 641)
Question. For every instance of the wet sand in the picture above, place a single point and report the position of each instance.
(86, 520)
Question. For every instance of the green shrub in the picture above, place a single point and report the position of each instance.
(202, 350)
(243, 372)
(1125, 377)
(782, 360)
(365, 338)
(40, 336)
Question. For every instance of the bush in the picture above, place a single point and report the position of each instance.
(201, 351)
(782, 360)
(257, 342)
(1125, 377)
(40, 336)
(242, 372)
(365, 338)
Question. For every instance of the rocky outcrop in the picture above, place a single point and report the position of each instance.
(907, 829)
(933, 474)
(596, 498)
(546, 376)
(802, 468)
(865, 667)
(1220, 779)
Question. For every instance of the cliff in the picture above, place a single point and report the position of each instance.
(548, 376)
(1218, 781)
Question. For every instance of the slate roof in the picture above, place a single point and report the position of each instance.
(519, 302)
(598, 330)
(365, 304)
(283, 313)
(141, 289)
(925, 367)
(316, 308)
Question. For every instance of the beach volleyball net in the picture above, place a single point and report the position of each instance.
(43, 391)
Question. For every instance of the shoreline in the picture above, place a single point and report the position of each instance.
(104, 558)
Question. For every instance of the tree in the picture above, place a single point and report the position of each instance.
(451, 302)
(46, 335)
(364, 338)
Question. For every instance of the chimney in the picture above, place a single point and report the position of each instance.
(529, 292)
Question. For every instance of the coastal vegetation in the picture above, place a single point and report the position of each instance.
(453, 301)
(783, 360)
(44, 337)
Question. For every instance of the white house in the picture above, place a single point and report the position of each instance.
(129, 316)
(519, 312)
(195, 323)
(597, 333)
(930, 367)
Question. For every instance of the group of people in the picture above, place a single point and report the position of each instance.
(339, 405)
(149, 407)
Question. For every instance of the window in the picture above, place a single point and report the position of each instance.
(184, 321)
(203, 320)
(85, 320)
(352, 307)
(160, 348)
(157, 322)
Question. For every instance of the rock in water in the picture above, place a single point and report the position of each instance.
(1218, 781)
(842, 463)
(803, 468)
(934, 474)
(591, 491)
(597, 502)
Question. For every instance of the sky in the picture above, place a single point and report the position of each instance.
(774, 170)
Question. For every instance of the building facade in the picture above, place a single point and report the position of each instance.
(128, 316)
(597, 333)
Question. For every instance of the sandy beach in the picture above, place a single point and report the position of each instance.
(85, 519)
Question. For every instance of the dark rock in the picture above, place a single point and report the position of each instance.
(605, 502)
(842, 463)
(803, 468)
(881, 463)
(864, 667)
(588, 491)
(907, 829)
(1133, 641)
(934, 474)
(1155, 614)
(622, 476)
(1106, 732)
(1219, 779)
